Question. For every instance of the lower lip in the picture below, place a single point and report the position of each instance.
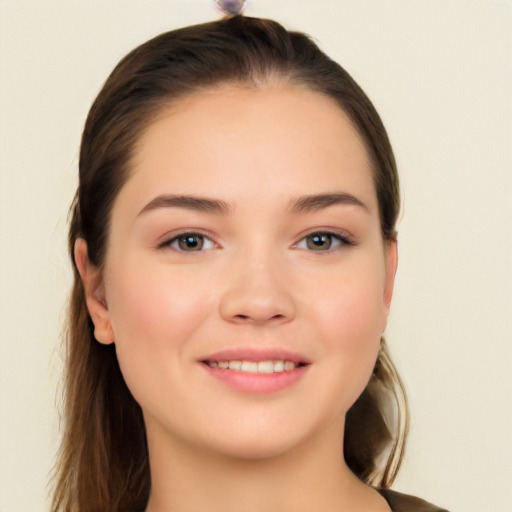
(257, 382)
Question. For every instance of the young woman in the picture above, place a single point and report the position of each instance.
(234, 246)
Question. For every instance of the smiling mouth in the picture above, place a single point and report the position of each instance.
(256, 371)
(263, 367)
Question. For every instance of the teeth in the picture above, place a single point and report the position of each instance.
(255, 367)
(249, 367)
(278, 366)
(266, 367)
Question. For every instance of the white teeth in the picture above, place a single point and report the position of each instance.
(249, 366)
(255, 367)
(288, 365)
(265, 367)
(278, 366)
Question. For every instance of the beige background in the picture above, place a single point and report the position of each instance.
(440, 74)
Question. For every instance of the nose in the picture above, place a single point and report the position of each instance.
(257, 293)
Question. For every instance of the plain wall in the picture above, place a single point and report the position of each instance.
(439, 73)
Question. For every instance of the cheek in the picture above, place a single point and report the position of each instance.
(155, 301)
(351, 314)
(354, 322)
(154, 314)
(358, 314)
(351, 301)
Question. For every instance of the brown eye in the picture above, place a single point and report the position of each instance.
(319, 241)
(190, 242)
(324, 241)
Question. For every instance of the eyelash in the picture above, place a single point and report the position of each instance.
(342, 239)
(186, 234)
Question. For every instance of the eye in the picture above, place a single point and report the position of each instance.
(323, 241)
(189, 242)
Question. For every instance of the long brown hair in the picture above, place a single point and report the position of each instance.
(103, 461)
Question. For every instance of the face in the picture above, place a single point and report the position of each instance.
(247, 236)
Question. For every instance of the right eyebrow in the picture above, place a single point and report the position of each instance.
(197, 203)
(316, 202)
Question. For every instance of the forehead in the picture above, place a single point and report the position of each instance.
(232, 142)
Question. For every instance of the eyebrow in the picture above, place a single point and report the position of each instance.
(316, 202)
(200, 204)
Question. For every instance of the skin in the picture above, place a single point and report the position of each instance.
(256, 283)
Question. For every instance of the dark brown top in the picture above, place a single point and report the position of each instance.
(404, 503)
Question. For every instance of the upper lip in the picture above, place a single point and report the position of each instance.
(256, 354)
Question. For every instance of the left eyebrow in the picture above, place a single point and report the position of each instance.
(316, 202)
(197, 203)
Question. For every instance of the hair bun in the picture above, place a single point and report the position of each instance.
(231, 7)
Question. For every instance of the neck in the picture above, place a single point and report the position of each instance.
(311, 477)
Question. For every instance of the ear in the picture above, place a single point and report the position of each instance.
(94, 293)
(391, 255)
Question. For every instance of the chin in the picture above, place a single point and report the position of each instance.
(253, 449)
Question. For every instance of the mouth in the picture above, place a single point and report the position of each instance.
(256, 370)
(263, 367)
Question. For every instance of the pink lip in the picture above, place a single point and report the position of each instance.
(256, 382)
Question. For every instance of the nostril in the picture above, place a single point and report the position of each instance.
(246, 306)
(245, 318)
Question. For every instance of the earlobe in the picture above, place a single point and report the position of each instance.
(94, 290)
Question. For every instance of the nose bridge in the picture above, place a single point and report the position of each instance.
(257, 290)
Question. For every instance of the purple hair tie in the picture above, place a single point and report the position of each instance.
(231, 7)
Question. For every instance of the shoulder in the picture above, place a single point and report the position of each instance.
(404, 503)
